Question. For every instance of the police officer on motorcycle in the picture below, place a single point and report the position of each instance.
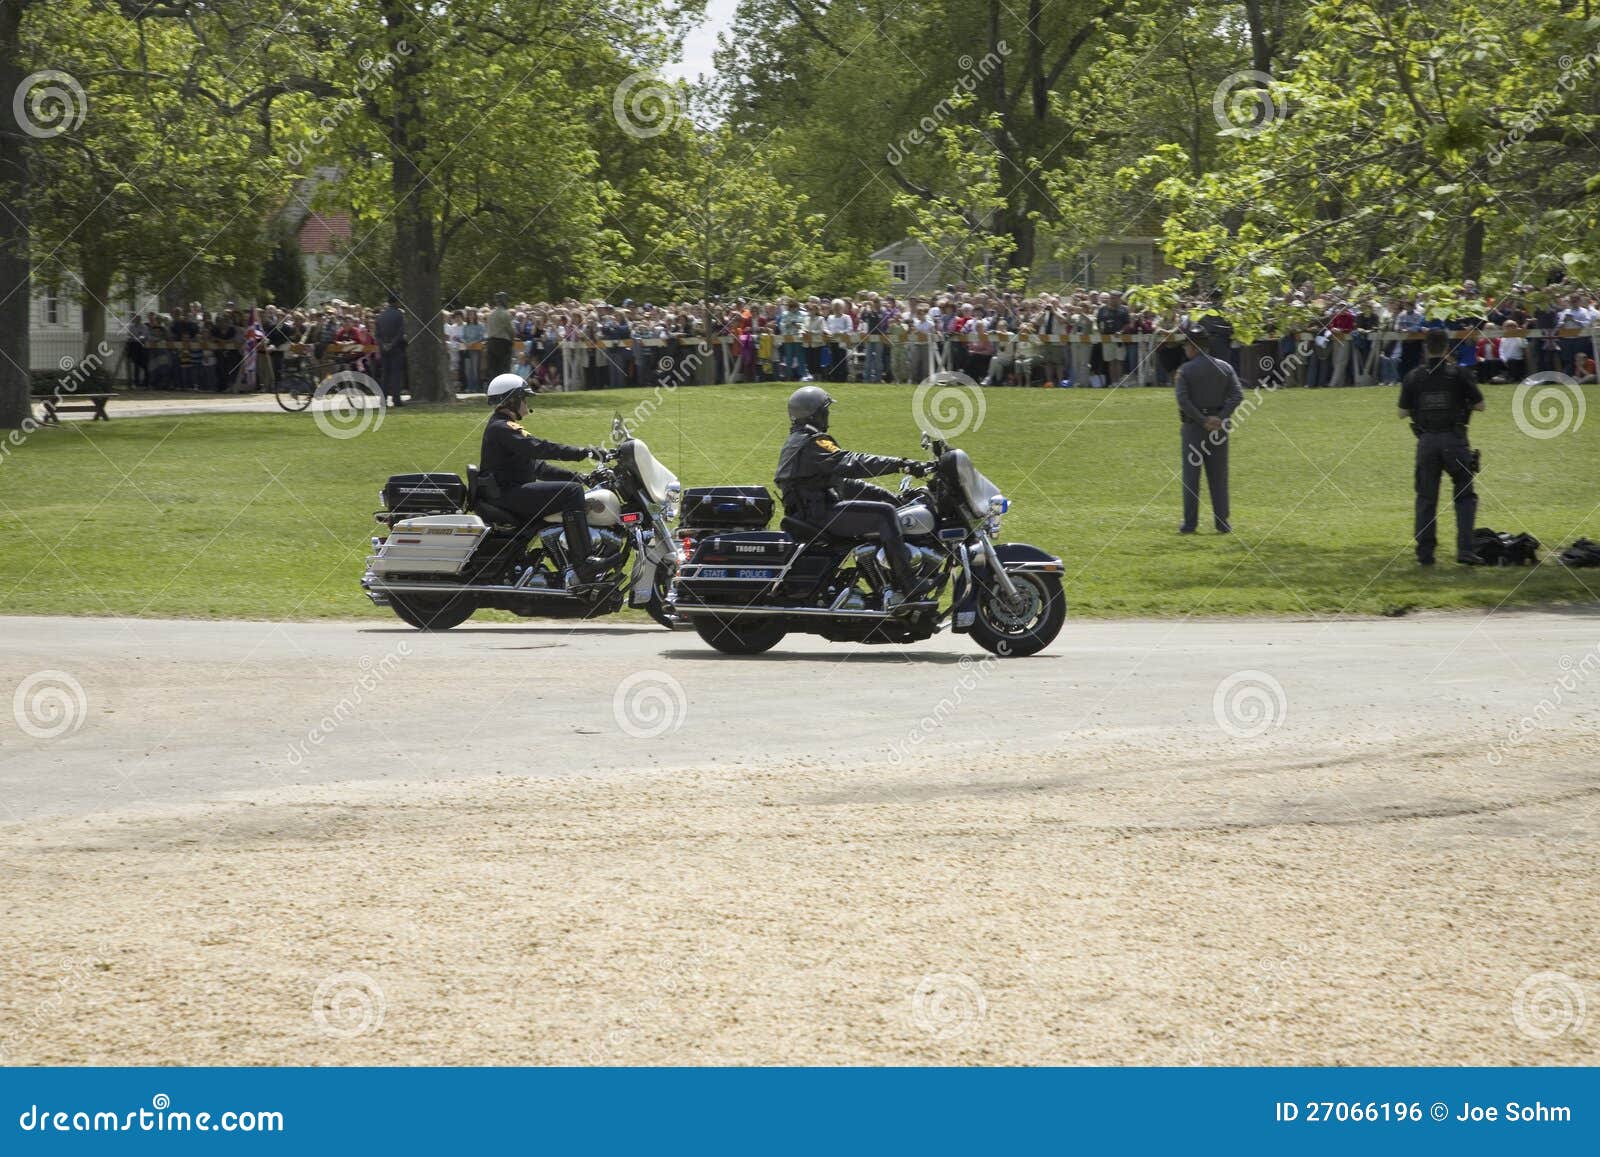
(1438, 398)
(518, 465)
(821, 485)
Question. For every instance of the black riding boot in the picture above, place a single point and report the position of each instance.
(906, 580)
(575, 524)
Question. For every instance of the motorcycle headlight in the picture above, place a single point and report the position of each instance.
(998, 505)
(674, 492)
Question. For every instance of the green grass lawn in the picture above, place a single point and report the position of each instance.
(265, 516)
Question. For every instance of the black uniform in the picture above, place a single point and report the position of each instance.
(391, 335)
(1440, 396)
(518, 462)
(820, 484)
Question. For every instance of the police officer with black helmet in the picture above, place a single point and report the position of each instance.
(1438, 398)
(821, 485)
(518, 464)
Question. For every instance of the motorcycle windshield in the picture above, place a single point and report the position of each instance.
(653, 476)
(976, 490)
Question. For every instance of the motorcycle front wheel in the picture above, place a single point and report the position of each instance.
(741, 636)
(438, 613)
(1026, 627)
(657, 606)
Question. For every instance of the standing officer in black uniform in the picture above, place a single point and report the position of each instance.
(1208, 392)
(525, 483)
(390, 333)
(820, 483)
(1438, 398)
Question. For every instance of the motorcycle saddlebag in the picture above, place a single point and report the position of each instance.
(424, 494)
(734, 568)
(431, 544)
(726, 508)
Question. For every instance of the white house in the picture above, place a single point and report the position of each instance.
(1112, 263)
(55, 328)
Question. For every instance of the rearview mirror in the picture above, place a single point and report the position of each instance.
(619, 429)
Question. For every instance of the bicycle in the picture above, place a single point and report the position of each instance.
(335, 380)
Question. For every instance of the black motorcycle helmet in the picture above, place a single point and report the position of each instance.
(810, 404)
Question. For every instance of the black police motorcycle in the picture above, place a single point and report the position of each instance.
(743, 587)
(450, 550)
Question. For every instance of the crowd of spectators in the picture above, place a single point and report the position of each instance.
(1336, 336)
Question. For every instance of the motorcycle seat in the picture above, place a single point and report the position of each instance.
(496, 517)
(801, 530)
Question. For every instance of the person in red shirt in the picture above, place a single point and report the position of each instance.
(1341, 324)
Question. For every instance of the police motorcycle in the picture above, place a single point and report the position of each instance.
(449, 551)
(743, 587)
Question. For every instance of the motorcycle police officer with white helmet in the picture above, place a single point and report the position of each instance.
(517, 464)
(821, 485)
(1438, 399)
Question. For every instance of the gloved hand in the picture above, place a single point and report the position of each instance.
(916, 469)
(599, 453)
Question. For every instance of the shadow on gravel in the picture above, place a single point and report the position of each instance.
(495, 629)
(831, 658)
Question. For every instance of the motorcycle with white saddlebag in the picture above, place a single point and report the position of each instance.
(450, 551)
(743, 587)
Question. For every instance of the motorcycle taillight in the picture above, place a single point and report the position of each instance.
(685, 547)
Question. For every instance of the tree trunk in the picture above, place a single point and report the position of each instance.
(16, 296)
(97, 277)
(416, 232)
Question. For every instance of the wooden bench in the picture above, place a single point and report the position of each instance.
(75, 403)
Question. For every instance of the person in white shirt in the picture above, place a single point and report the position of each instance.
(838, 326)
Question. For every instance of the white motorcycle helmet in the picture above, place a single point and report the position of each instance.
(506, 387)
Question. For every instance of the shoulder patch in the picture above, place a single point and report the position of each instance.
(825, 442)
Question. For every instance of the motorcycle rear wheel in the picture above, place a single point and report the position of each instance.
(1015, 632)
(439, 613)
(741, 636)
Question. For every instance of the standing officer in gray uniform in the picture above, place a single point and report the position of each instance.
(1438, 398)
(1208, 393)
